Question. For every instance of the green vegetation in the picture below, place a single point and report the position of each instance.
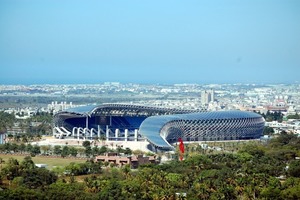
(42, 117)
(268, 130)
(296, 116)
(30, 129)
(242, 170)
(51, 162)
(6, 121)
(273, 116)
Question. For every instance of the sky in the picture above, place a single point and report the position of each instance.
(169, 41)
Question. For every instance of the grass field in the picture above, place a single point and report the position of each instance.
(50, 162)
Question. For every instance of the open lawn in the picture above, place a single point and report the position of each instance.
(49, 161)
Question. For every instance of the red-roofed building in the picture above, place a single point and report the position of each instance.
(133, 161)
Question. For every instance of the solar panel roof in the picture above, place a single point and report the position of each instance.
(150, 128)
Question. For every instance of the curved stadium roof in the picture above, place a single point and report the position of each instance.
(115, 109)
(123, 109)
(162, 126)
(83, 110)
(152, 126)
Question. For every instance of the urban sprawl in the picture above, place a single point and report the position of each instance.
(27, 100)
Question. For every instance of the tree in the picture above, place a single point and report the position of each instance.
(93, 167)
(12, 169)
(111, 190)
(95, 150)
(22, 193)
(86, 143)
(22, 147)
(285, 139)
(36, 150)
(128, 151)
(6, 121)
(268, 130)
(272, 190)
(119, 150)
(131, 189)
(38, 177)
(27, 163)
(126, 170)
(1, 162)
(102, 150)
(275, 116)
(291, 188)
(14, 147)
(45, 149)
(81, 151)
(65, 151)
(88, 151)
(77, 168)
(294, 168)
(254, 150)
(65, 191)
(24, 138)
(57, 150)
(296, 116)
(73, 151)
(29, 148)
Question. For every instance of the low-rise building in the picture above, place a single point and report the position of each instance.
(133, 161)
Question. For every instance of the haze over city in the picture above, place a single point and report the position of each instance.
(149, 41)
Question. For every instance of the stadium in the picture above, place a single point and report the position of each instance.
(114, 121)
(161, 127)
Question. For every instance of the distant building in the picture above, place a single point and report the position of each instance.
(2, 138)
(56, 107)
(133, 161)
(207, 96)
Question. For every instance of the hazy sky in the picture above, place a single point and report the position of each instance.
(157, 41)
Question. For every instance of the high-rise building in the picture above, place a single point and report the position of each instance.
(207, 96)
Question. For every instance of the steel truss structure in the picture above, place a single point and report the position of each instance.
(163, 126)
(161, 131)
(114, 110)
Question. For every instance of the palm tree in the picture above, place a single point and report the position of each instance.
(1, 162)
(45, 149)
(81, 151)
(202, 191)
(126, 170)
(22, 147)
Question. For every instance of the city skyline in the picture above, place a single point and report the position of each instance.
(73, 42)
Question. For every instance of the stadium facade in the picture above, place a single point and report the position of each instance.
(114, 121)
(160, 126)
(162, 131)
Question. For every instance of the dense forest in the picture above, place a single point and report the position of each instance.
(265, 170)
